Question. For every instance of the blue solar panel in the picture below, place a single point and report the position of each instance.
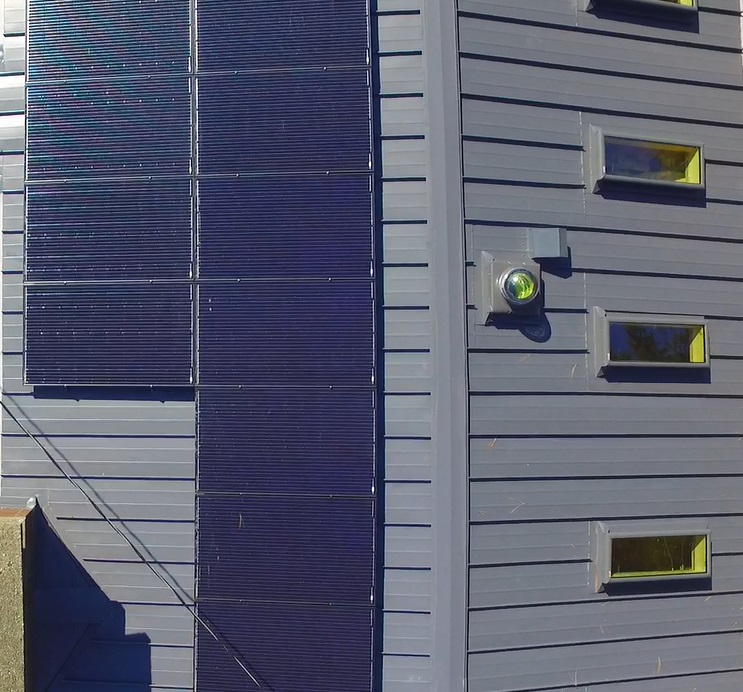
(286, 401)
(278, 440)
(109, 231)
(235, 34)
(311, 120)
(289, 647)
(285, 226)
(287, 333)
(287, 548)
(114, 128)
(105, 334)
(84, 38)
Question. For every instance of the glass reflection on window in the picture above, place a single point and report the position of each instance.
(654, 343)
(647, 556)
(651, 161)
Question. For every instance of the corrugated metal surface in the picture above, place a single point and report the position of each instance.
(14, 58)
(600, 50)
(546, 500)
(604, 457)
(596, 91)
(713, 682)
(595, 414)
(104, 231)
(713, 29)
(601, 662)
(608, 622)
(412, 522)
(547, 584)
(286, 387)
(553, 448)
(500, 544)
(108, 334)
(14, 18)
(120, 460)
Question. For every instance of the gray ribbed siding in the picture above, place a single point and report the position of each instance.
(136, 456)
(408, 538)
(425, 395)
(552, 447)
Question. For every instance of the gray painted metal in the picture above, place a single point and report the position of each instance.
(569, 624)
(581, 50)
(553, 448)
(616, 93)
(408, 466)
(715, 29)
(544, 585)
(14, 17)
(627, 660)
(449, 394)
(612, 456)
(425, 443)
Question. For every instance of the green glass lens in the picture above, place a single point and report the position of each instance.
(520, 286)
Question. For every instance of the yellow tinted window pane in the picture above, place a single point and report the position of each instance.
(658, 556)
(694, 169)
(629, 158)
(697, 348)
(685, 3)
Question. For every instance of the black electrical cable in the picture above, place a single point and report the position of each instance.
(200, 620)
